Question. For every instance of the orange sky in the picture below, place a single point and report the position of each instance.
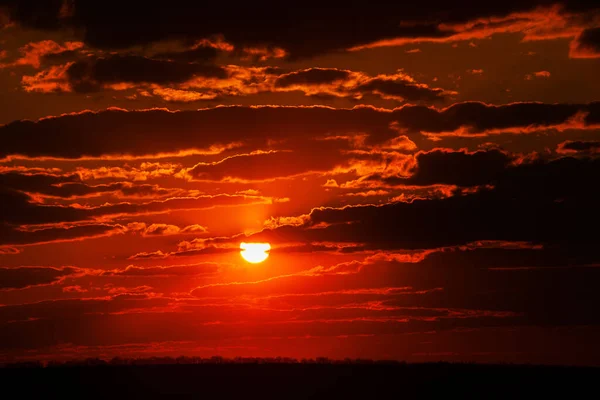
(427, 180)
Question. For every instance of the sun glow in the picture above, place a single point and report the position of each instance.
(255, 252)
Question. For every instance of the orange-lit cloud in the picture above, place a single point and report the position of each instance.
(164, 229)
(544, 23)
(33, 53)
(538, 74)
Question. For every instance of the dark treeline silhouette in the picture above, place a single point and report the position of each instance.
(287, 378)
(121, 361)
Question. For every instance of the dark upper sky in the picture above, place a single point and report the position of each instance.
(426, 175)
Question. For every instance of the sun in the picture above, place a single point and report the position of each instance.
(255, 252)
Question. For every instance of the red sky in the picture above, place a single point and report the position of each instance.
(427, 176)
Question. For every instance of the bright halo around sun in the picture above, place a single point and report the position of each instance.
(255, 252)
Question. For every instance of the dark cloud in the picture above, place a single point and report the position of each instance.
(22, 277)
(593, 113)
(87, 75)
(533, 293)
(463, 281)
(476, 117)
(36, 183)
(401, 89)
(43, 15)
(10, 234)
(312, 76)
(565, 179)
(578, 146)
(291, 27)
(200, 54)
(587, 44)
(455, 168)
(541, 202)
(110, 132)
(527, 293)
(18, 208)
(67, 186)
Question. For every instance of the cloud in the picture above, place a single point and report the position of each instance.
(34, 53)
(50, 80)
(69, 186)
(429, 287)
(164, 229)
(74, 289)
(107, 130)
(459, 168)
(540, 202)
(403, 90)
(61, 309)
(337, 30)
(7, 250)
(167, 271)
(475, 71)
(199, 53)
(443, 292)
(90, 75)
(148, 255)
(571, 147)
(145, 171)
(20, 210)
(538, 74)
(312, 76)
(109, 133)
(473, 118)
(586, 44)
(183, 96)
(182, 81)
(25, 222)
(533, 20)
(121, 290)
(26, 277)
(271, 164)
(344, 83)
(187, 249)
(12, 235)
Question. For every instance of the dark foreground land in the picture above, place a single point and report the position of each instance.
(297, 381)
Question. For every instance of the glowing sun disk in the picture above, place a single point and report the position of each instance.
(255, 252)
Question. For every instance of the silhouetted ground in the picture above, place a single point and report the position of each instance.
(301, 380)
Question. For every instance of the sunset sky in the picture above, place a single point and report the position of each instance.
(426, 173)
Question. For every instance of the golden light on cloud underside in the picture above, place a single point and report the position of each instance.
(255, 252)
